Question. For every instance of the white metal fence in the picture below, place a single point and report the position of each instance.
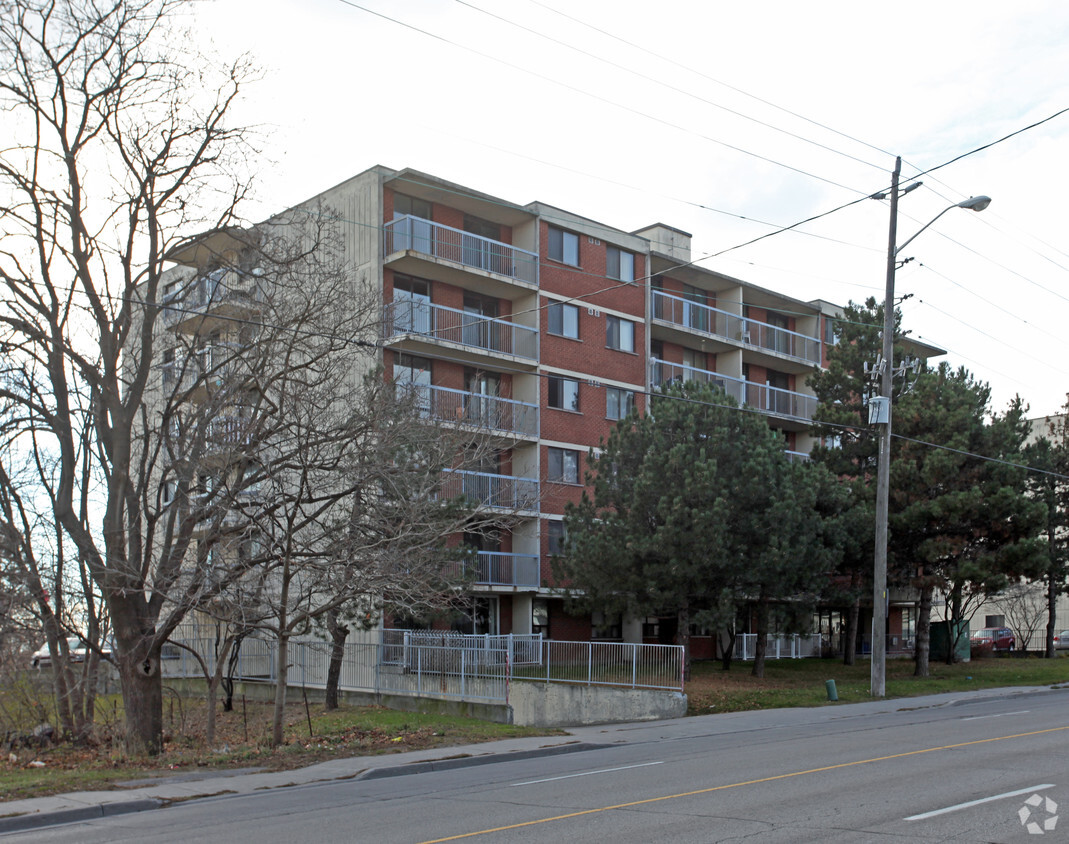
(791, 646)
(443, 664)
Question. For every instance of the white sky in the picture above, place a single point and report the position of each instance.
(627, 138)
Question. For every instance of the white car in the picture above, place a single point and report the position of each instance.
(42, 658)
(1061, 640)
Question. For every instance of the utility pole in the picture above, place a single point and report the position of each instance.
(878, 672)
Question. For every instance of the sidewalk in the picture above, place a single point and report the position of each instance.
(21, 815)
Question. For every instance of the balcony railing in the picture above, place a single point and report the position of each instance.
(218, 287)
(461, 247)
(483, 411)
(209, 365)
(758, 396)
(498, 568)
(709, 320)
(416, 316)
(502, 492)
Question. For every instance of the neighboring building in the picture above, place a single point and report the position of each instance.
(546, 327)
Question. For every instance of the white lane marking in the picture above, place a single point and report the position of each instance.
(586, 774)
(971, 803)
(997, 715)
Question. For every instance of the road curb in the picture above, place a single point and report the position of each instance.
(21, 823)
(472, 761)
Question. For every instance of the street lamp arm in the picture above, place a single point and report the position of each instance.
(973, 203)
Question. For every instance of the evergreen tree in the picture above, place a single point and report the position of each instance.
(961, 520)
(694, 507)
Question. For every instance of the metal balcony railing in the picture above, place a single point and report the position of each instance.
(477, 409)
(209, 365)
(500, 568)
(461, 247)
(503, 492)
(218, 287)
(417, 316)
(709, 320)
(749, 393)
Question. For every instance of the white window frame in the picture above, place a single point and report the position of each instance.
(567, 250)
(563, 320)
(619, 334)
(568, 470)
(569, 388)
(618, 402)
(619, 264)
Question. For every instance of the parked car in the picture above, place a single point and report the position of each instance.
(42, 658)
(1061, 640)
(997, 638)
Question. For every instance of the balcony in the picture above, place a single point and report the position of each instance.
(491, 413)
(419, 323)
(500, 492)
(223, 292)
(706, 320)
(431, 250)
(772, 400)
(497, 568)
(206, 367)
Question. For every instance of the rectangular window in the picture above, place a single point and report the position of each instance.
(410, 205)
(619, 264)
(563, 393)
(618, 403)
(563, 320)
(831, 336)
(555, 536)
(563, 466)
(564, 246)
(619, 334)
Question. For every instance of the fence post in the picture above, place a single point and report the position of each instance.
(634, 665)
(589, 662)
(463, 678)
(419, 669)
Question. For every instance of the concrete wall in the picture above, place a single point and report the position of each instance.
(569, 705)
(530, 704)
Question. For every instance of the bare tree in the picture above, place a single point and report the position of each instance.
(1025, 608)
(116, 145)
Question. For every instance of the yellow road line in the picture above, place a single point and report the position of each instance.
(740, 784)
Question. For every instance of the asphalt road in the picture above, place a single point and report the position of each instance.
(974, 772)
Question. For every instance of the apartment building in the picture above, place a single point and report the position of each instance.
(543, 328)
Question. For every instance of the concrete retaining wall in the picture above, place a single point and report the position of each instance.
(568, 704)
(531, 704)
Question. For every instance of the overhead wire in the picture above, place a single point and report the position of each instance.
(587, 93)
(669, 86)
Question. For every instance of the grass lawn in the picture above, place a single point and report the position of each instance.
(801, 682)
(242, 741)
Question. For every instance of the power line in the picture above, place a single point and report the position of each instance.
(586, 93)
(664, 84)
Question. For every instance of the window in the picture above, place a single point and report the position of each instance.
(619, 334)
(563, 320)
(403, 205)
(540, 616)
(618, 403)
(563, 466)
(564, 246)
(831, 334)
(563, 393)
(619, 264)
(555, 536)
(606, 625)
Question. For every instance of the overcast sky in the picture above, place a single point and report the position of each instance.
(727, 120)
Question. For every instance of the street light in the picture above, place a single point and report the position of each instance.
(883, 480)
